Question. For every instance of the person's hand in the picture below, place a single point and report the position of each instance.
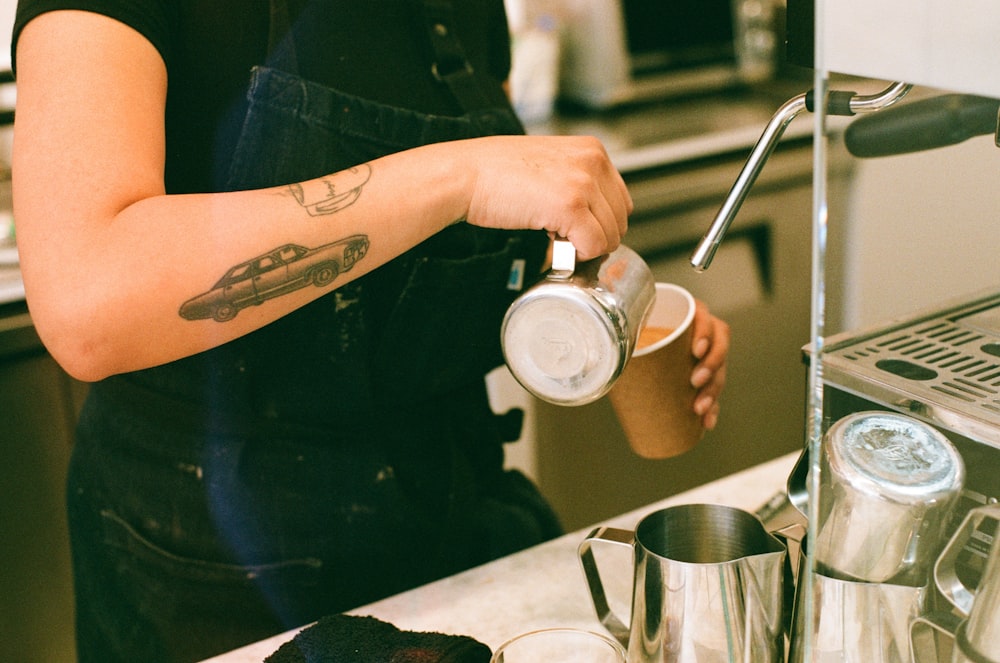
(565, 185)
(710, 345)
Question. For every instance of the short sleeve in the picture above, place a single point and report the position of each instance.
(154, 19)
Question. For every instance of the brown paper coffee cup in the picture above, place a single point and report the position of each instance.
(654, 398)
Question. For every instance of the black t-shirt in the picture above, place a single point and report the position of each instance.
(376, 50)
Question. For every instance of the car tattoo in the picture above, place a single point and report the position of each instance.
(282, 270)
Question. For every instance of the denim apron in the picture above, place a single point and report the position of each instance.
(345, 452)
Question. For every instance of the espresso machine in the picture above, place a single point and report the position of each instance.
(938, 368)
(941, 367)
(935, 370)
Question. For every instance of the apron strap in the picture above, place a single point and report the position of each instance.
(483, 101)
(451, 66)
(281, 52)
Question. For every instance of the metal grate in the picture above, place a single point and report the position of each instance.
(946, 359)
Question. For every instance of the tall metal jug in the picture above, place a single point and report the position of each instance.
(708, 587)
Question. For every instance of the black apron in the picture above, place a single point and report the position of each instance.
(345, 452)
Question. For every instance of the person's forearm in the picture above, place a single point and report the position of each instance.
(120, 276)
(130, 275)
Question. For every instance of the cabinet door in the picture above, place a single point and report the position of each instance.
(38, 406)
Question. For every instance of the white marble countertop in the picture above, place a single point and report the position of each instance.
(542, 586)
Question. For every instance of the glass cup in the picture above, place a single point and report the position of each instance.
(559, 645)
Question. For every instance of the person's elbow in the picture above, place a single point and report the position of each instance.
(71, 330)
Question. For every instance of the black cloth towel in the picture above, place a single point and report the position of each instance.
(351, 639)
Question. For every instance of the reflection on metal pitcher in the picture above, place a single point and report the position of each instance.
(888, 484)
(568, 338)
(856, 622)
(978, 637)
(708, 586)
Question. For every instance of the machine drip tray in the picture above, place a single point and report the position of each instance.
(943, 366)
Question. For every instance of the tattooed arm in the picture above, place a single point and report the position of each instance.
(114, 268)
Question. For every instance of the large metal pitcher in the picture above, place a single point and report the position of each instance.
(708, 587)
(853, 621)
(975, 544)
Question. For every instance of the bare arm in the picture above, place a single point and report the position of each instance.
(108, 258)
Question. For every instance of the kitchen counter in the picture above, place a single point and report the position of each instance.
(542, 586)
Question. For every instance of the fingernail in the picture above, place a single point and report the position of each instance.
(700, 377)
(702, 405)
(700, 347)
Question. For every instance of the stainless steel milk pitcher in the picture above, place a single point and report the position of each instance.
(707, 587)
(853, 621)
(568, 338)
(977, 638)
(888, 485)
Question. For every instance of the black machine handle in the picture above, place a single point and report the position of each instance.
(922, 125)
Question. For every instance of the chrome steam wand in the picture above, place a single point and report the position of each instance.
(838, 103)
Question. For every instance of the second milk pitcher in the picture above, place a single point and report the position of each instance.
(708, 587)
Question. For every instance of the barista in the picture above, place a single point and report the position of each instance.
(278, 241)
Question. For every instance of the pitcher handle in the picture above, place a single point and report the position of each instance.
(945, 576)
(608, 618)
(563, 259)
(925, 632)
